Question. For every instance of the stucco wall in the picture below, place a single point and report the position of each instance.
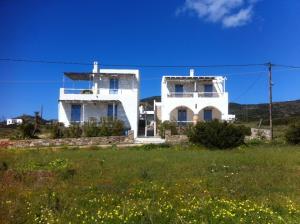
(195, 103)
(69, 141)
(127, 97)
(174, 114)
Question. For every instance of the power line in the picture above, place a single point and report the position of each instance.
(44, 61)
(287, 66)
(129, 65)
(249, 87)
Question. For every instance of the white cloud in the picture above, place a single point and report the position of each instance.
(230, 13)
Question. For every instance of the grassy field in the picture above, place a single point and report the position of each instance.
(181, 184)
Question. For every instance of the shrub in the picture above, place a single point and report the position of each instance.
(56, 130)
(292, 134)
(110, 127)
(215, 134)
(91, 130)
(73, 131)
(26, 130)
(167, 125)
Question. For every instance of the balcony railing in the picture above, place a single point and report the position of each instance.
(78, 91)
(183, 94)
(91, 91)
(209, 94)
(194, 94)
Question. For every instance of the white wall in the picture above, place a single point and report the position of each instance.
(195, 103)
(127, 96)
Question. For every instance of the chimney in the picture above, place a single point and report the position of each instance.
(192, 72)
(95, 69)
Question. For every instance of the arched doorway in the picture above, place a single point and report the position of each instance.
(210, 113)
(181, 115)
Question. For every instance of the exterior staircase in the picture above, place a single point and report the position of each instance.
(149, 140)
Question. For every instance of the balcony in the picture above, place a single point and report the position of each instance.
(195, 94)
(90, 94)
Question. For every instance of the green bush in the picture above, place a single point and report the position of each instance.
(56, 130)
(110, 127)
(26, 130)
(73, 131)
(167, 125)
(91, 129)
(215, 134)
(292, 134)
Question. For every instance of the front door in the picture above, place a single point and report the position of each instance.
(208, 115)
(182, 116)
(178, 90)
(75, 112)
(208, 89)
(113, 86)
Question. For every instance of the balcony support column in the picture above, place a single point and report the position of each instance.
(113, 110)
(83, 112)
(195, 118)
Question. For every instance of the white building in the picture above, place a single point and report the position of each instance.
(111, 93)
(11, 121)
(188, 99)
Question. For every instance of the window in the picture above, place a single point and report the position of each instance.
(208, 115)
(112, 111)
(182, 115)
(178, 90)
(113, 86)
(75, 113)
(208, 90)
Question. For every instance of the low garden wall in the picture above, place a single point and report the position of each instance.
(264, 134)
(83, 141)
(174, 139)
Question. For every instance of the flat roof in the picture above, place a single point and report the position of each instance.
(89, 75)
(209, 78)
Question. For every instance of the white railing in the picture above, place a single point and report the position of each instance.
(78, 91)
(194, 94)
(209, 94)
(183, 94)
(91, 91)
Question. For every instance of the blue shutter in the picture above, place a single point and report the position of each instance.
(178, 90)
(182, 115)
(110, 110)
(208, 89)
(75, 113)
(113, 85)
(207, 115)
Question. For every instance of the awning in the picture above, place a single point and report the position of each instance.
(89, 75)
(192, 78)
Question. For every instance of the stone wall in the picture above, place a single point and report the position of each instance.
(260, 134)
(85, 141)
(264, 134)
(174, 139)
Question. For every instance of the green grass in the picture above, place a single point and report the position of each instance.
(181, 184)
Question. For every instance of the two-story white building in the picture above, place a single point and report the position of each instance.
(188, 99)
(111, 93)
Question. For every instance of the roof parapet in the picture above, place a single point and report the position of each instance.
(95, 69)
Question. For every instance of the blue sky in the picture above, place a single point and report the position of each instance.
(168, 32)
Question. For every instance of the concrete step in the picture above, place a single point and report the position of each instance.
(149, 140)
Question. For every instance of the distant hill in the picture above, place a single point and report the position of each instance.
(251, 112)
(254, 112)
(30, 118)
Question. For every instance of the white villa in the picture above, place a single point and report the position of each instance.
(111, 93)
(115, 93)
(188, 99)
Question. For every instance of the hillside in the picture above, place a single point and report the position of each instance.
(253, 112)
(282, 111)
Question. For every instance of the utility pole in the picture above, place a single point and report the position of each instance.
(270, 98)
